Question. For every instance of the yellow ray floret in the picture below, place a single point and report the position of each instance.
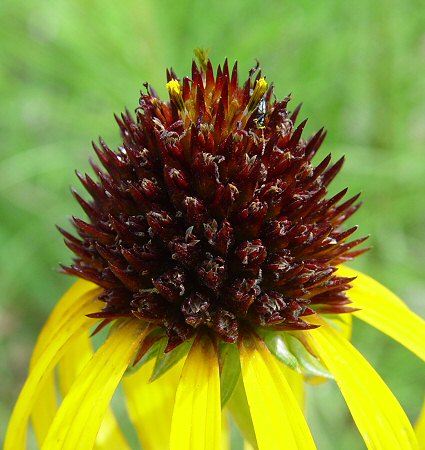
(273, 405)
(45, 406)
(226, 443)
(383, 310)
(146, 402)
(377, 413)
(239, 409)
(78, 419)
(44, 363)
(296, 383)
(196, 418)
(77, 294)
(72, 363)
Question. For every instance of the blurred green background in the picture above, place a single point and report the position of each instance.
(66, 66)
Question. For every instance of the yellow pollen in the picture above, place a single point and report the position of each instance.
(261, 85)
(259, 90)
(175, 90)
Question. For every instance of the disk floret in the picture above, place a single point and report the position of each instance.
(211, 215)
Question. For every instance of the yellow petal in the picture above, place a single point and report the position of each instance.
(69, 367)
(296, 383)
(40, 373)
(78, 293)
(78, 419)
(420, 427)
(78, 353)
(383, 310)
(377, 413)
(45, 407)
(239, 409)
(343, 323)
(225, 433)
(75, 358)
(197, 411)
(110, 435)
(271, 401)
(146, 402)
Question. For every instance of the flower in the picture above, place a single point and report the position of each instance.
(215, 257)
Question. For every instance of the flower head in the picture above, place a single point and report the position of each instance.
(211, 239)
(205, 221)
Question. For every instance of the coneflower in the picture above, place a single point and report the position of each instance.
(213, 252)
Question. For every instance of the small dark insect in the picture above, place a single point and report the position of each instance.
(261, 114)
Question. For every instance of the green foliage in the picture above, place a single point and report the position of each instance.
(289, 350)
(230, 370)
(165, 361)
(68, 65)
(277, 343)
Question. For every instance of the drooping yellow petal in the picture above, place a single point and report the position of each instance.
(239, 409)
(271, 401)
(45, 407)
(77, 356)
(110, 434)
(196, 420)
(247, 446)
(78, 419)
(343, 323)
(346, 325)
(383, 310)
(377, 413)
(225, 433)
(420, 427)
(77, 294)
(53, 350)
(146, 402)
(296, 383)
(79, 353)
